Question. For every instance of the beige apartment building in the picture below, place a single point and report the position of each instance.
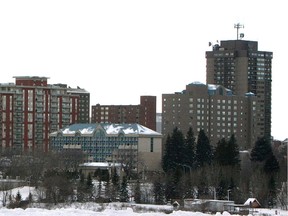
(213, 108)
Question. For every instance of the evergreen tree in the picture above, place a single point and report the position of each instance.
(124, 197)
(271, 165)
(177, 140)
(167, 164)
(190, 148)
(262, 150)
(233, 151)
(227, 153)
(204, 151)
(174, 156)
(221, 152)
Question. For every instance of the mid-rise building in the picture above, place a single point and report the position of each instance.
(84, 104)
(144, 113)
(127, 144)
(31, 108)
(241, 67)
(212, 108)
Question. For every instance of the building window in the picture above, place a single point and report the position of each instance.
(151, 144)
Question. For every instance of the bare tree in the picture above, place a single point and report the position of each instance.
(58, 186)
(71, 158)
(127, 156)
(5, 187)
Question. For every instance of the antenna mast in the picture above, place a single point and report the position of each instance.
(238, 26)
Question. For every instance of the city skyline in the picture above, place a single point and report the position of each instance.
(119, 51)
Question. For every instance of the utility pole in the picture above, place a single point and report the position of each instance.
(228, 191)
(238, 26)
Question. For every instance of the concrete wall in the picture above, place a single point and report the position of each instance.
(208, 205)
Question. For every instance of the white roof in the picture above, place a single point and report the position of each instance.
(110, 129)
(100, 164)
(250, 200)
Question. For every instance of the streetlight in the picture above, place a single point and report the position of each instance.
(228, 191)
(29, 184)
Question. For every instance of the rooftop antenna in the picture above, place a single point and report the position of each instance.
(238, 26)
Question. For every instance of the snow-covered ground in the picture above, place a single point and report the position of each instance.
(78, 212)
(112, 212)
(113, 209)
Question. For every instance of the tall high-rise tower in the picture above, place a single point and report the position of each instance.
(241, 67)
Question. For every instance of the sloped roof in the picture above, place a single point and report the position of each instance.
(250, 201)
(110, 129)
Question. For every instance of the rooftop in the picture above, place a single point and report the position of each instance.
(110, 129)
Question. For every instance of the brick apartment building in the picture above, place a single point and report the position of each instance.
(144, 113)
(239, 65)
(30, 109)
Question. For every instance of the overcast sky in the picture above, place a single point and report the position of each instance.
(120, 50)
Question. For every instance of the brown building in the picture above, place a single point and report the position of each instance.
(31, 109)
(212, 108)
(239, 66)
(144, 113)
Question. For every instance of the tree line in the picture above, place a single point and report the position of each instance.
(192, 168)
(196, 169)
